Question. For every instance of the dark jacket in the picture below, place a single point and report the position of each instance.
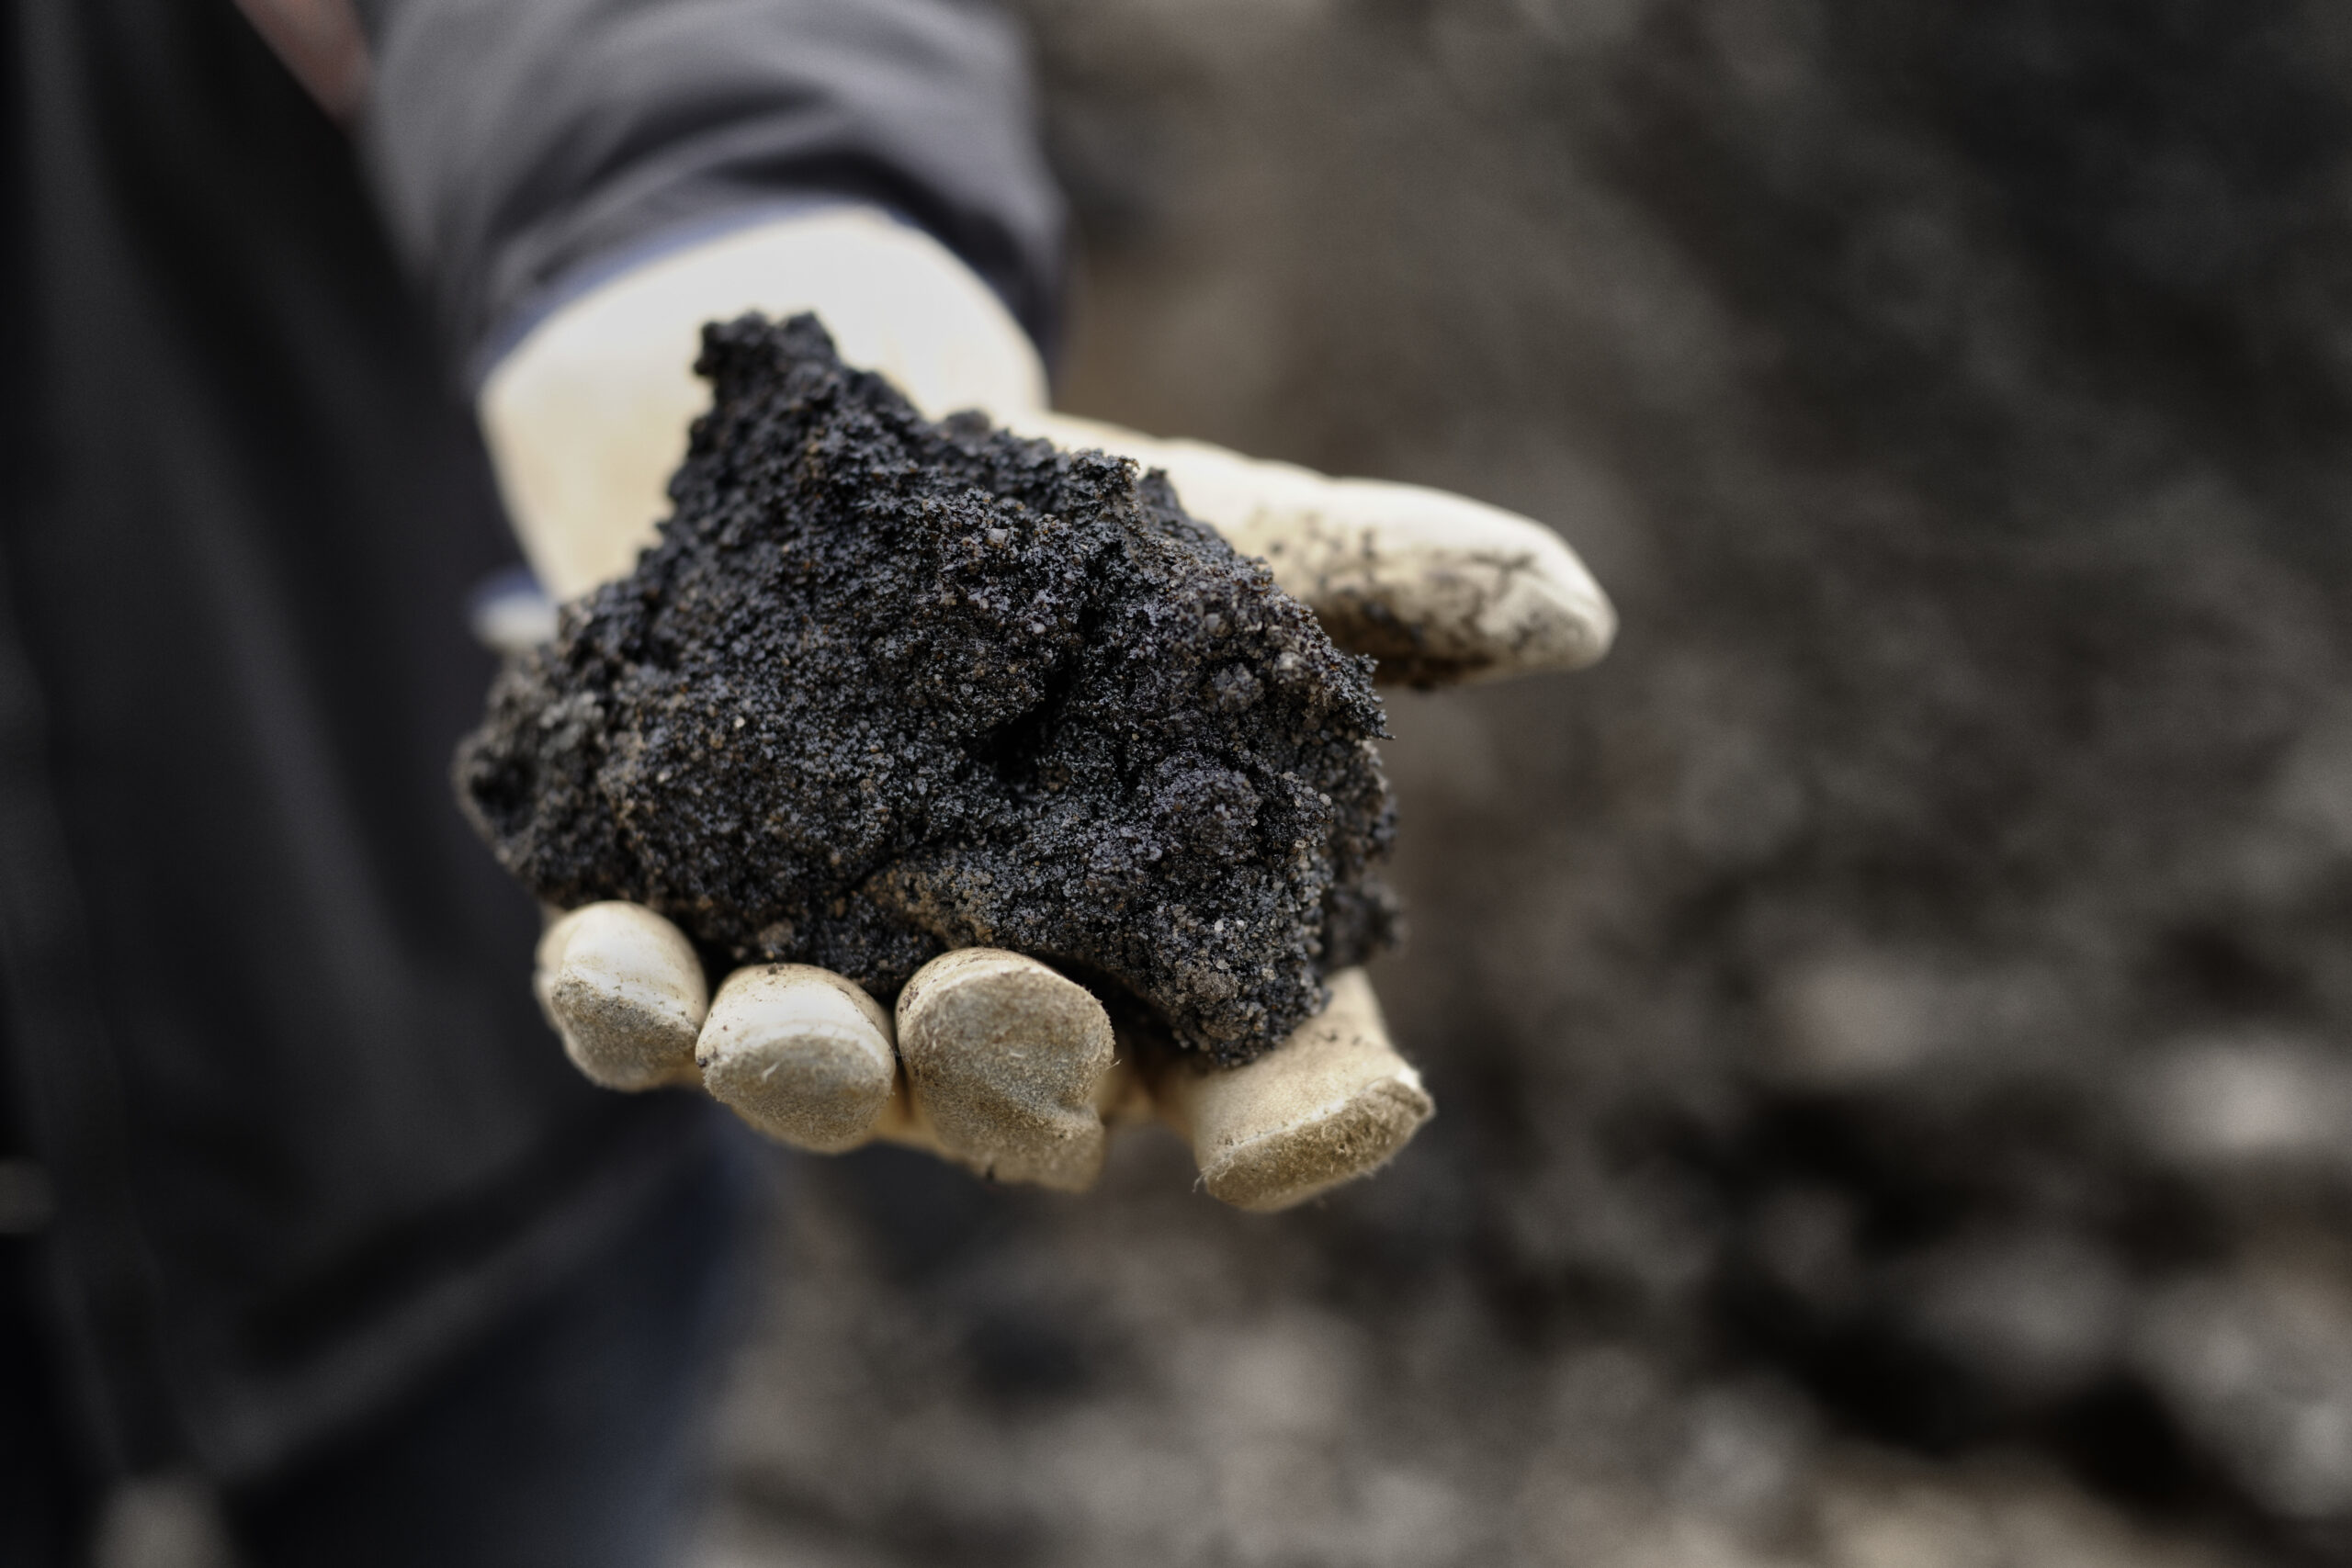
(263, 999)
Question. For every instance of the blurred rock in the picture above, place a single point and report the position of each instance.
(2250, 1102)
(2260, 1369)
(2038, 1314)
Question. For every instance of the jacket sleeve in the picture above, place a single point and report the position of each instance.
(519, 144)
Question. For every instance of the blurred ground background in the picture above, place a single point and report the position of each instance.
(1892, 1022)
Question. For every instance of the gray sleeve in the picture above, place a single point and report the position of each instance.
(519, 143)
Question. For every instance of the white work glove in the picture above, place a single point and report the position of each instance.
(991, 1059)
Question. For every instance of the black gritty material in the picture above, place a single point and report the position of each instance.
(887, 687)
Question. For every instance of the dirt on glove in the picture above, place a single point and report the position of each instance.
(886, 687)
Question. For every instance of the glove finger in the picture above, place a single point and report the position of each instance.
(1438, 587)
(1006, 1062)
(625, 994)
(1122, 1098)
(801, 1053)
(1333, 1102)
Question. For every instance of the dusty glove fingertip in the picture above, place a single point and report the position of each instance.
(1356, 1136)
(1332, 1103)
(1004, 1061)
(625, 994)
(800, 1053)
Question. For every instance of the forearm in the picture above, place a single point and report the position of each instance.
(523, 147)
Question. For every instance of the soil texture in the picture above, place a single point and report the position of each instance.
(887, 687)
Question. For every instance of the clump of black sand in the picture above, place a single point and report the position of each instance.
(887, 687)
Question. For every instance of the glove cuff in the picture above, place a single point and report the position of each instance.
(586, 415)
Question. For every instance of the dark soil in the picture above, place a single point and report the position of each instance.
(887, 687)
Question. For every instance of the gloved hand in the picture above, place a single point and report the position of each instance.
(991, 1059)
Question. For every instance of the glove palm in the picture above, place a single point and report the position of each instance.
(990, 1058)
